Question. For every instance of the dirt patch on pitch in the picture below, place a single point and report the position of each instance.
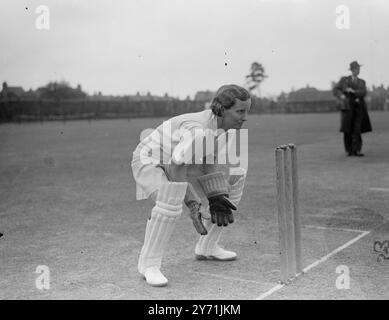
(355, 218)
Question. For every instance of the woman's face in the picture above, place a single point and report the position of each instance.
(234, 117)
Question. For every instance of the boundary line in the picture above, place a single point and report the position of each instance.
(315, 264)
(326, 257)
(337, 217)
(226, 277)
(334, 229)
(380, 189)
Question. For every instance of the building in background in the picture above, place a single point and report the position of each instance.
(11, 93)
(378, 98)
(311, 99)
(204, 97)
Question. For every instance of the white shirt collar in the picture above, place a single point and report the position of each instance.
(212, 120)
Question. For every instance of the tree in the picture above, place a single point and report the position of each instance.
(255, 77)
(60, 90)
(282, 98)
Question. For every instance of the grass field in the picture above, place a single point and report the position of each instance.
(68, 202)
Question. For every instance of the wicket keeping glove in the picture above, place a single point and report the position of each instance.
(221, 210)
(195, 209)
(215, 188)
(193, 202)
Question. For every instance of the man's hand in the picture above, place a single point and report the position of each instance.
(221, 210)
(196, 210)
(350, 90)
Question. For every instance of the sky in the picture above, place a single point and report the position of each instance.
(180, 47)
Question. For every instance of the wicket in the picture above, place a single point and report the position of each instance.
(288, 212)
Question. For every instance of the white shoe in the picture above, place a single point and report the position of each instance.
(217, 253)
(154, 277)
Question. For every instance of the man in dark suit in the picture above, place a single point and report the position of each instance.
(355, 119)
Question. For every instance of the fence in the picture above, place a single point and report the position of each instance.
(43, 110)
(25, 110)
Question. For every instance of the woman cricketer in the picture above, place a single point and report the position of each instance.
(167, 169)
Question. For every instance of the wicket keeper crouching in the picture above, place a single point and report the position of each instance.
(209, 193)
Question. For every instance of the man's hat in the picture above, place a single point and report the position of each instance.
(355, 64)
